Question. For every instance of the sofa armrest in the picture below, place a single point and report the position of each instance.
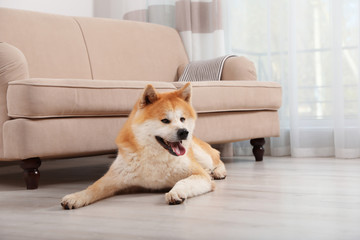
(238, 68)
(13, 66)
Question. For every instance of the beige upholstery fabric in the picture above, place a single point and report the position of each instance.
(53, 44)
(237, 126)
(235, 96)
(46, 98)
(60, 137)
(125, 50)
(13, 66)
(239, 68)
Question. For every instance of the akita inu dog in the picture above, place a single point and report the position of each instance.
(157, 150)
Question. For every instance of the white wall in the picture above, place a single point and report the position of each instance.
(113, 8)
(83, 8)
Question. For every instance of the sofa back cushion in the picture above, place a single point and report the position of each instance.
(93, 48)
(128, 50)
(53, 45)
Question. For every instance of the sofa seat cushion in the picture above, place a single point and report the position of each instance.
(232, 96)
(50, 98)
(47, 98)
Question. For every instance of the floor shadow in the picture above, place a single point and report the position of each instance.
(57, 176)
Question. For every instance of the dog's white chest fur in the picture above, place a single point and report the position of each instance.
(153, 172)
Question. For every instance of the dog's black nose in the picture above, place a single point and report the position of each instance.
(182, 134)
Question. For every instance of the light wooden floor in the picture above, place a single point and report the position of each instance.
(280, 198)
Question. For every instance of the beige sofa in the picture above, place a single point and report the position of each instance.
(68, 84)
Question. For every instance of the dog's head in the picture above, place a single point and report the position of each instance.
(165, 121)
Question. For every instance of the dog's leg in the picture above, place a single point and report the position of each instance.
(118, 178)
(209, 157)
(191, 186)
(106, 186)
(219, 171)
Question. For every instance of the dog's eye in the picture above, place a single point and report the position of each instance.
(165, 120)
(182, 119)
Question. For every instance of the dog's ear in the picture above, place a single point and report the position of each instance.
(185, 92)
(149, 96)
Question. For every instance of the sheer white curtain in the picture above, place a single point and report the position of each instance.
(312, 48)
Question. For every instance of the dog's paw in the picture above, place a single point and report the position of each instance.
(75, 200)
(174, 197)
(219, 172)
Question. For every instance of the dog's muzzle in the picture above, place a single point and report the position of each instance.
(175, 148)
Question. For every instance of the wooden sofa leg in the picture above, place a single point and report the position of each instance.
(31, 172)
(258, 149)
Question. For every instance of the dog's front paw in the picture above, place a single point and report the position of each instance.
(219, 172)
(174, 197)
(75, 200)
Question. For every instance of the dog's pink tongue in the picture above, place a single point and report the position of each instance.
(178, 148)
